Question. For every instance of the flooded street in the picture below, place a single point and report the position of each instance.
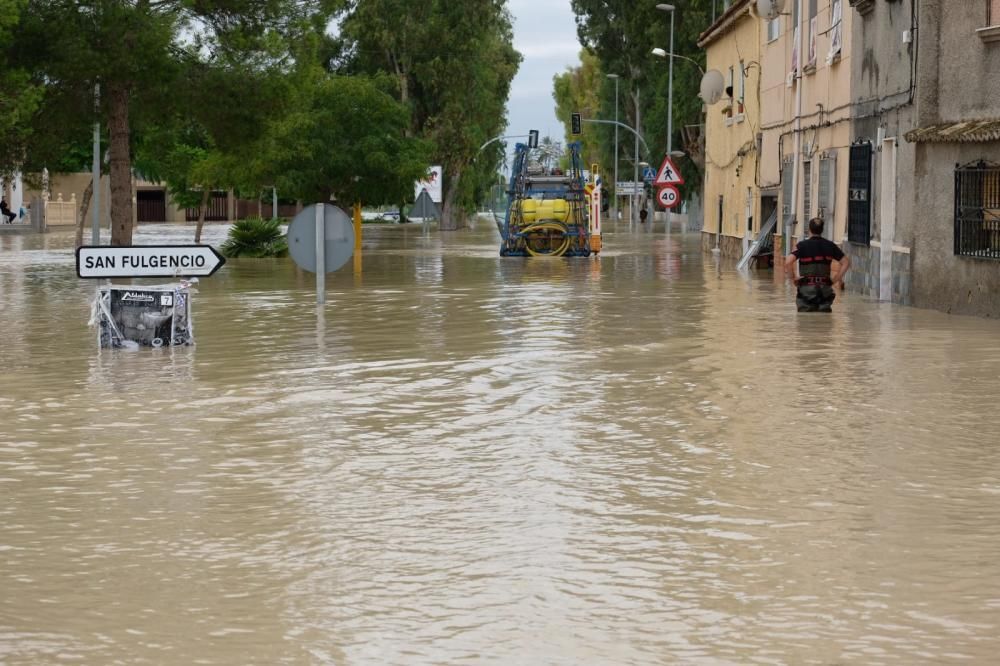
(647, 458)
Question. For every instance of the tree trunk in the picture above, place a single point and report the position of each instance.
(202, 208)
(121, 166)
(449, 216)
(84, 207)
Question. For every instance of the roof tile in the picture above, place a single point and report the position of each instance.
(967, 131)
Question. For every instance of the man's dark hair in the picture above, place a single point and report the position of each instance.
(816, 226)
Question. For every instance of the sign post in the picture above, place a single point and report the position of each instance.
(668, 196)
(321, 240)
(320, 255)
(668, 177)
(668, 174)
(147, 261)
(154, 316)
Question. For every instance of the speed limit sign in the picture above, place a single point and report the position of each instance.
(668, 196)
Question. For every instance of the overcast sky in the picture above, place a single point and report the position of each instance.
(545, 34)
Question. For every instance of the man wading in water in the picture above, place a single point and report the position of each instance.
(815, 284)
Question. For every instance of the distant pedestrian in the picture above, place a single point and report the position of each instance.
(5, 210)
(643, 214)
(816, 278)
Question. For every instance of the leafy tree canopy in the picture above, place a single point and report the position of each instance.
(452, 64)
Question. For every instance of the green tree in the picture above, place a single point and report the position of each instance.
(345, 136)
(214, 128)
(622, 35)
(577, 90)
(18, 97)
(137, 51)
(452, 63)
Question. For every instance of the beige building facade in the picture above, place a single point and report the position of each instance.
(779, 144)
(806, 116)
(732, 206)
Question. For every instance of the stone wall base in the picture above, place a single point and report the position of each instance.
(864, 277)
(729, 246)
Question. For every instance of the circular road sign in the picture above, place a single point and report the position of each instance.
(668, 196)
(339, 234)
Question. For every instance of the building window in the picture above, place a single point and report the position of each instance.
(859, 185)
(837, 30)
(812, 28)
(977, 210)
(787, 214)
(773, 29)
(826, 192)
(991, 32)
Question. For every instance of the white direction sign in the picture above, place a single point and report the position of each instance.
(104, 261)
(628, 188)
(668, 174)
(668, 196)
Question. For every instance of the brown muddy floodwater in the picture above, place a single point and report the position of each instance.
(647, 458)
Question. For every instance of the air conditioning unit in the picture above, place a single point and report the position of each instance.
(133, 317)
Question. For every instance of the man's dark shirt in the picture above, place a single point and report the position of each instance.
(817, 249)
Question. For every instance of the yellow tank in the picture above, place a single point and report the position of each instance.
(529, 210)
(552, 209)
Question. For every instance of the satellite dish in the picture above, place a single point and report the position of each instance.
(770, 9)
(712, 86)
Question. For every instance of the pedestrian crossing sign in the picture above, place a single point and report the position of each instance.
(668, 174)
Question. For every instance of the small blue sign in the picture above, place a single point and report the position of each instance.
(648, 174)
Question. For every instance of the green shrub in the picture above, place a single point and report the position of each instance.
(255, 238)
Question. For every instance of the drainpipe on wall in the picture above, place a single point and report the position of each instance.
(800, 81)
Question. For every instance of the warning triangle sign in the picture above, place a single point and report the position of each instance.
(424, 207)
(668, 174)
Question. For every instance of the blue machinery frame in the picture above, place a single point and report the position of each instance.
(540, 238)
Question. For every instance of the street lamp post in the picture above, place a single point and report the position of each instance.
(614, 211)
(635, 181)
(670, 89)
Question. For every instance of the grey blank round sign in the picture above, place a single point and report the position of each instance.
(339, 238)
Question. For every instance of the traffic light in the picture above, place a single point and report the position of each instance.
(576, 124)
(532, 138)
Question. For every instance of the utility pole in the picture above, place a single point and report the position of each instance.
(95, 235)
(799, 82)
(614, 211)
(670, 100)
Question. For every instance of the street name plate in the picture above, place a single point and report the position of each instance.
(105, 261)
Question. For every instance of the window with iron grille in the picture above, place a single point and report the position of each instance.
(786, 194)
(977, 210)
(827, 188)
(859, 186)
